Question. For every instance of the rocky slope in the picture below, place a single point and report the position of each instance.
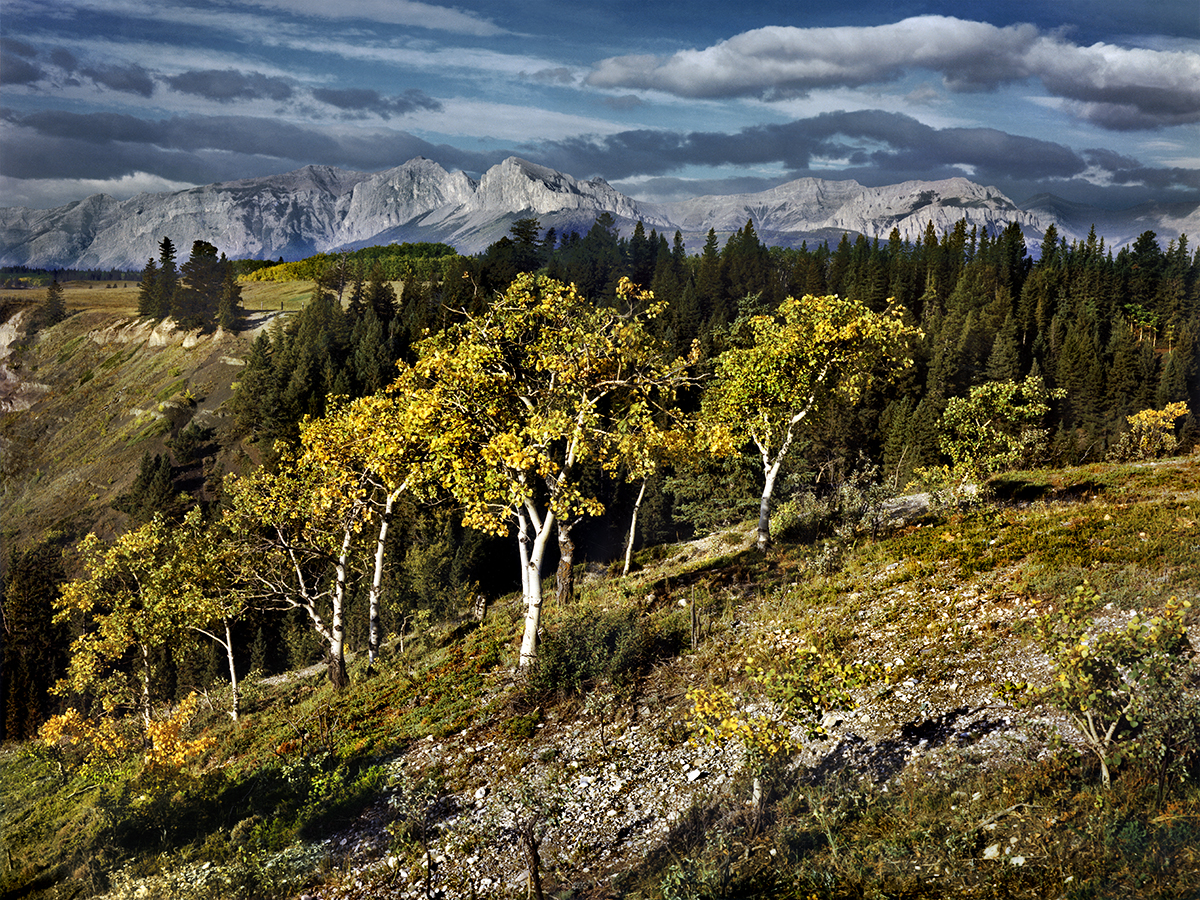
(134, 383)
(613, 785)
(320, 208)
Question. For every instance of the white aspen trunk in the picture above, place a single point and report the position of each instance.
(146, 711)
(770, 473)
(531, 580)
(637, 505)
(764, 506)
(523, 552)
(337, 633)
(233, 681)
(385, 520)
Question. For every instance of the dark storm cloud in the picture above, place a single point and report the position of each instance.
(13, 47)
(196, 149)
(14, 70)
(15, 63)
(363, 100)
(872, 146)
(64, 59)
(130, 79)
(887, 141)
(225, 85)
(1115, 87)
(92, 128)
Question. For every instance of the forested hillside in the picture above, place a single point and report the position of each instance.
(430, 436)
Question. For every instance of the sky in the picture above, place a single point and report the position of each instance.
(1097, 101)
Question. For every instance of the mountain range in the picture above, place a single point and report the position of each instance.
(321, 208)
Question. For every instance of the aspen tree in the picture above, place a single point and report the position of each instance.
(527, 391)
(811, 351)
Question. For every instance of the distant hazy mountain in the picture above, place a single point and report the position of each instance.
(1075, 220)
(322, 208)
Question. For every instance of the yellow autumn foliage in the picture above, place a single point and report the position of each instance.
(74, 741)
(1151, 434)
(168, 750)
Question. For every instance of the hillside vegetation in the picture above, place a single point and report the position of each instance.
(264, 634)
(933, 786)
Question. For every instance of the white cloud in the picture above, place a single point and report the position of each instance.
(391, 12)
(786, 59)
(47, 193)
(1114, 87)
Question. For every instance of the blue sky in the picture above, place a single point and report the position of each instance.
(1096, 101)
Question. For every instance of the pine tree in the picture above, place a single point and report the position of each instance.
(167, 285)
(153, 491)
(372, 363)
(229, 311)
(710, 286)
(199, 298)
(149, 299)
(1178, 367)
(256, 403)
(380, 295)
(640, 256)
(54, 309)
(1004, 364)
(358, 293)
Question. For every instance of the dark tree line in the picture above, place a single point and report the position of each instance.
(202, 293)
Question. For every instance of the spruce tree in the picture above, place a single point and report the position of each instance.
(203, 283)
(1004, 363)
(372, 363)
(54, 309)
(229, 312)
(168, 278)
(152, 491)
(709, 283)
(35, 648)
(149, 298)
(381, 296)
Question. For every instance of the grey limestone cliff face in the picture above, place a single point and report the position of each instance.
(811, 205)
(517, 185)
(399, 196)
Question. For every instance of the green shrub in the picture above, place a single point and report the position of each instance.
(616, 645)
(1109, 683)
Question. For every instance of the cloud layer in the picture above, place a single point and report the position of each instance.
(123, 93)
(1114, 87)
(871, 145)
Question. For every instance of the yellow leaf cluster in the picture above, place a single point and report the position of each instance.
(718, 720)
(1151, 433)
(96, 743)
(168, 749)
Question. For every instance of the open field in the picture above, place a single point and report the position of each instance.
(121, 299)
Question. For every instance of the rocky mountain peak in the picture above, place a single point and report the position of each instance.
(320, 208)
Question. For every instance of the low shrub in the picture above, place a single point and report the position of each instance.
(616, 645)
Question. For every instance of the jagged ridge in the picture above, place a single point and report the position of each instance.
(320, 208)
